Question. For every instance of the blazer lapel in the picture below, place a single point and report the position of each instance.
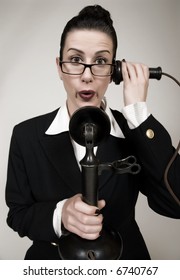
(60, 152)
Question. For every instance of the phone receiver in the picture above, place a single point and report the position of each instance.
(154, 73)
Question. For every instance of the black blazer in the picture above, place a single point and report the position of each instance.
(42, 170)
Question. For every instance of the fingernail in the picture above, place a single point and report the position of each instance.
(124, 60)
(97, 212)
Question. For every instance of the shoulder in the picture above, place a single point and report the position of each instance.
(40, 123)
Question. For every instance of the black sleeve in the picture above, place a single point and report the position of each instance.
(153, 148)
(27, 216)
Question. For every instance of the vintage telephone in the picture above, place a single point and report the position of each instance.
(154, 73)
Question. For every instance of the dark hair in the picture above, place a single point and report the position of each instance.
(91, 17)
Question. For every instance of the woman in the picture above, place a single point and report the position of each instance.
(44, 178)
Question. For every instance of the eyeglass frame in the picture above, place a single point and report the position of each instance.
(87, 66)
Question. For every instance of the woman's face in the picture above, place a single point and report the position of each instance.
(86, 46)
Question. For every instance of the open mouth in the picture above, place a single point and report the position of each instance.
(86, 94)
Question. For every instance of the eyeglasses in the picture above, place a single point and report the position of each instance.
(76, 68)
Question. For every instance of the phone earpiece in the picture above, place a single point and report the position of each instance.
(117, 74)
(154, 73)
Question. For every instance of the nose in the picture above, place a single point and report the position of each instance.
(87, 76)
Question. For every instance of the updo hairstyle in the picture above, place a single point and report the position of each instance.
(91, 18)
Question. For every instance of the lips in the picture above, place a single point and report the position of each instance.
(86, 94)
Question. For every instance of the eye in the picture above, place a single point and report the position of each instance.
(76, 59)
(101, 60)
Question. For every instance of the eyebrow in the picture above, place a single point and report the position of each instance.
(74, 49)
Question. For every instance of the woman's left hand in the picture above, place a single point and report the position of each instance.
(135, 82)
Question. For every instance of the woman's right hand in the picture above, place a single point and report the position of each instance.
(136, 82)
(82, 219)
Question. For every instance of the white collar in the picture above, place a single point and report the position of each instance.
(61, 122)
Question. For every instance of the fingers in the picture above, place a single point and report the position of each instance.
(83, 207)
(101, 204)
(82, 219)
(90, 232)
(136, 81)
(134, 72)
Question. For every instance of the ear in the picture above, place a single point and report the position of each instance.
(58, 68)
